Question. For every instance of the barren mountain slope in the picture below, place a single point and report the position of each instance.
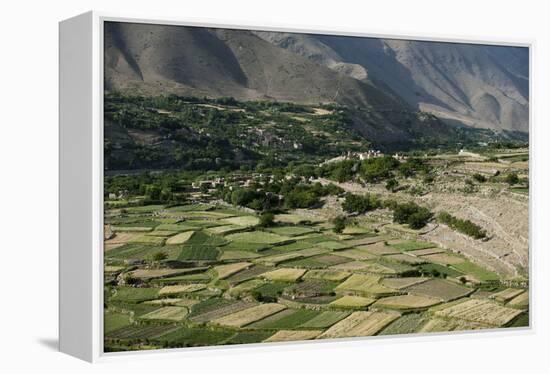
(158, 59)
(477, 85)
(190, 60)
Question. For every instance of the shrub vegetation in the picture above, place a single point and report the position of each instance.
(462, 225)
(360, 204)
(412, 214)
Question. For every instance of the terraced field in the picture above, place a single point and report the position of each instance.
(168, 313)
(198, 274)
(360, 324)
(480, 311)
(439, 289)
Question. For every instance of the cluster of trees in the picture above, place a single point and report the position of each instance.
(207, 134)
(360, 203)
(134, 184)
(380, 168)
(432, 272)
(411, 214)
(306, 195)
(280, 194)
(267, 219)
(301, 198)
(174, 102)
(479, 178)
(372, 170)
(271, 192)
(274, 106)
(507, 144)
(473, 139)
(342, 171)
(159, 256)
(511, 179)
(252, 198)
(408, 213)
(339, 223)
(297, 194)
(413, 166)
(392, 184)
(155, 193)
(140, 112)
(462, 225)
(154, 188)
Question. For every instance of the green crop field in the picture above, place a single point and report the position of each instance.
(295, 246)
(284, 275)
(190, 208)
(352, 302)
(412, 245)
(174, 227)
(292, 230)
(134, 295)
(312, 287)
(226, 229)
(440, 269)
(209, 305)
(365, 285)
(295, 218)
(250, 273)
(324, 320)
(406, 302)
(333, 245)
(237, 222)
(187, 278)
(406, 324)
(238, 255)
(243, 221)
(134, 332)
(439, 289)
(245, 287)
(248, 337)
(306, 263)
(477, 271)
(259, 237)
(190, 337)
(220, 310)
(330, 275)
(288, 322)
(114, 321)
(148, 239)
(198, 223)
(198, 253)
(131, 252)
(181, 238)
(214, 278)
(244, 246)
(145, 209)
(204, 239)
(167, 313)
(271, 290)
(316, 239)
(133, 309)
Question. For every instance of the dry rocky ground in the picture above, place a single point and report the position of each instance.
(504, 216)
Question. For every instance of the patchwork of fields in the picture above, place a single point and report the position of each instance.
(199, 275)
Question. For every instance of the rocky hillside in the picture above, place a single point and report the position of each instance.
(387, 80)
(476, 85)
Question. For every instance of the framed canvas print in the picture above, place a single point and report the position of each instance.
(226, 185)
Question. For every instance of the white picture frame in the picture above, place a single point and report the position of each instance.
(81, 185)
